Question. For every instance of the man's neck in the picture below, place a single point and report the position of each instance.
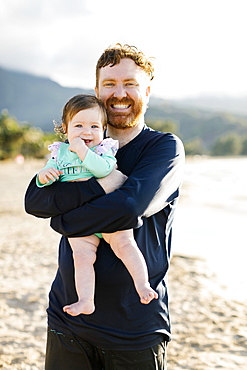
(124, 136)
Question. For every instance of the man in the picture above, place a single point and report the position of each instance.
(122, 333)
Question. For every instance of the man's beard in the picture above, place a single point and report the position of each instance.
(123, 121)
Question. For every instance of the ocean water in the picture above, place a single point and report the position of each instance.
(211, 220)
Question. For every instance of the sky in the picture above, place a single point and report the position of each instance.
(199, 46)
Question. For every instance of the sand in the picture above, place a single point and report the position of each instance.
(209, 331)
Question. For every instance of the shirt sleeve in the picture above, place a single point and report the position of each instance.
(59, 198)
(150, 187)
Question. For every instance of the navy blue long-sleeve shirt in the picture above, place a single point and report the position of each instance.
(153, 162)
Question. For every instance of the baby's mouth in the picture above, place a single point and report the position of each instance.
(87, 141)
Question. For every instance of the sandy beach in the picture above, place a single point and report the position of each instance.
(209, 329)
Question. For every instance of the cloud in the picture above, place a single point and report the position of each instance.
(33, 11)
(36, 33)
(199, 46)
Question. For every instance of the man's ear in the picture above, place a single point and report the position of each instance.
(96, 91)
(148, 90)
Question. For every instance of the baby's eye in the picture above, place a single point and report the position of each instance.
(78, 125)
(95, 126)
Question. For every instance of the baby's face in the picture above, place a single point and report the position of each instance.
(86, 124)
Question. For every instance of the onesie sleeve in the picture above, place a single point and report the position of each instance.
(99, 165)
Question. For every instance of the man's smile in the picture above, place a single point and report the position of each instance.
(120, 106)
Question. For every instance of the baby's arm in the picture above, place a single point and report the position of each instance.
(98, 165)
(48, 174)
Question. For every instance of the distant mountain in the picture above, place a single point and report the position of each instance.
(36, 100)
(236, 105)
(39, 100)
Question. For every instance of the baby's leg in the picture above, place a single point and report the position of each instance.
(84, 254)
(124, 246)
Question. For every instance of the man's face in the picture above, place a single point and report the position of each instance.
(124, 89)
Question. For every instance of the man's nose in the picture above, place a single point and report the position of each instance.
(120, 92)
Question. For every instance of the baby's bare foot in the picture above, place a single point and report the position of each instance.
(147, 295)
(80, 307)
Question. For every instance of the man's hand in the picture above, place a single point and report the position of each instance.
(113, 181)
(48, 174)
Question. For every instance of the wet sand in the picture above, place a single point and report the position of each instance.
(209, 330)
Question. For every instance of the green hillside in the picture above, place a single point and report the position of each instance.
(193, 124)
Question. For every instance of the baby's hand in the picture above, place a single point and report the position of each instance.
(78, 146)
(48, 174)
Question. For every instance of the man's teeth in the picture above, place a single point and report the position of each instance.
(120, 106)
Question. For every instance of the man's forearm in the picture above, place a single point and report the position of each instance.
(113, 181)
(107, 214)
(60, 197)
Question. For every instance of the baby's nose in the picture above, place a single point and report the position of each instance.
(86, 130)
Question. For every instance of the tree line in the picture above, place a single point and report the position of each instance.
(22, 139)
(32, 142)
(227, 144)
